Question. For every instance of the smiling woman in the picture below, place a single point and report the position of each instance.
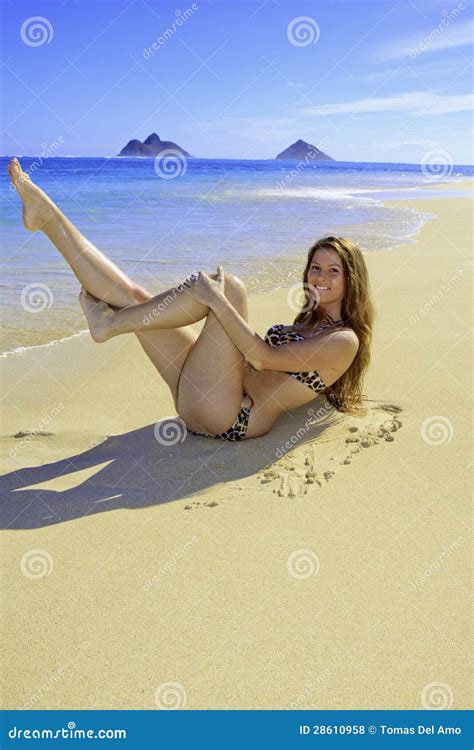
(228, 369)
(336, 268)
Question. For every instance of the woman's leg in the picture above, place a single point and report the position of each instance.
(166, 349)
(171, 309)
(92, 268)
(164, 316)
(96, 273)
(211, 384)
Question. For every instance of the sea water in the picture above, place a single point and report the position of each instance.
(256, 218)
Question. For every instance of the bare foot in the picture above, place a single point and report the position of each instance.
(37, 207)
(99, 316)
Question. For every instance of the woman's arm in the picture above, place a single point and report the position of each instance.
(253, 347)
(335, 351)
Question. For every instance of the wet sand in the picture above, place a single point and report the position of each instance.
(325, 565)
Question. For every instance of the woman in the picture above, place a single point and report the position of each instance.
(226, 382)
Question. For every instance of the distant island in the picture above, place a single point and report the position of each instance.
(304, 151)
(152, 146)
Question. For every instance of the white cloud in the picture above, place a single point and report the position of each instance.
(453, 35)
(413, 70)
(415, 102)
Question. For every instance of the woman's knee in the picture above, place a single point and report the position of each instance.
(138, 294)
(235, 291)
(231, 282)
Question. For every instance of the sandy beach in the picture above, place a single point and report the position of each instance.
(325, 565)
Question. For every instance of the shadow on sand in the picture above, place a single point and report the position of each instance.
(139, 471)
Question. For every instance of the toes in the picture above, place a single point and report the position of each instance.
(15, 171)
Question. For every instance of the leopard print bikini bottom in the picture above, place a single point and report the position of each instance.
(238, 428)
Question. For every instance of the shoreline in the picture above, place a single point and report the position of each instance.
(227, 159)
(411, 240)
(254, 575)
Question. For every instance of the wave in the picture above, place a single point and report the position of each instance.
(23, 349)
(335, 194)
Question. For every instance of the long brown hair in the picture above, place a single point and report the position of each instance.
(357, 312)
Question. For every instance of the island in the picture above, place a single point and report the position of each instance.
(152, 146)
(301, 150)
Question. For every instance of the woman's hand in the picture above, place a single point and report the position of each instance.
(204, 289)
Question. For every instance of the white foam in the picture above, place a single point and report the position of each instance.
(301, 192)
(23, 349)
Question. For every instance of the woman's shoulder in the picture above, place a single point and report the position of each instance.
(349, 337)
(343, 333)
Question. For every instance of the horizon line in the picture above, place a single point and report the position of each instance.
(219, 158)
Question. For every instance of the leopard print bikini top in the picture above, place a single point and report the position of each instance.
(275, 336)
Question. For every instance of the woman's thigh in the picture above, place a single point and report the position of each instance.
(168, 350)
(211, 384)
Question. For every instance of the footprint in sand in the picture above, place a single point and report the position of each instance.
(290, 478)
(212, 504)
(310, 466)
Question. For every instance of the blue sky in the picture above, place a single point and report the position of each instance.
(366, 81)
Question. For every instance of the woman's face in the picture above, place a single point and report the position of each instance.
(326, 275)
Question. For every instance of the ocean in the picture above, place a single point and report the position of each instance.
(160, 223)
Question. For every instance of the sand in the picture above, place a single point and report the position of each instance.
(325, 565)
